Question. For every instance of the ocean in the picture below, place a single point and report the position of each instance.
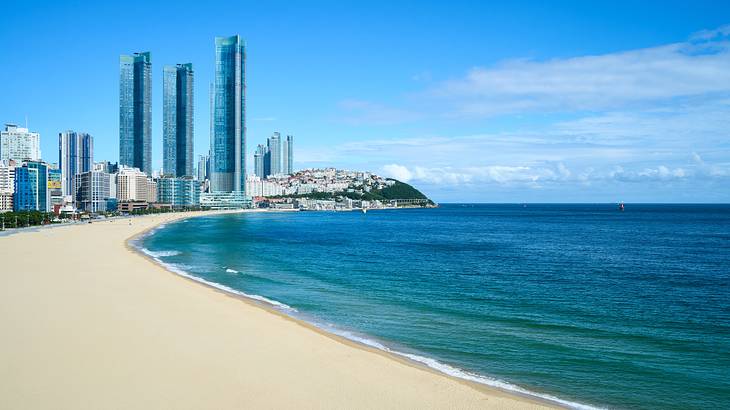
(579, 303)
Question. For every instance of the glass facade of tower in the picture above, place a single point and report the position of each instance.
(177, 120)
(75, 155)
(135, 111)
(31, 187)
(228, 145)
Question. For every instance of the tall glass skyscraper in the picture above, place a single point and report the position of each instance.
(275, 157)
(258, 161)
(75, 155)
(228, 145)
(177, 120)
(288, 162)
(135, 111)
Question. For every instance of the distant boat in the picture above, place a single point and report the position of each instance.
(364, 210)
(621, 207)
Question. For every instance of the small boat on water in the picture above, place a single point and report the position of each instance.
(364, 210)
(621, 206)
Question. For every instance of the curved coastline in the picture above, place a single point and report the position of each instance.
(484, 384)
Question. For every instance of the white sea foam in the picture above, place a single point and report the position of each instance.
(159, 254)
(427, 361)
(229, 270)
(453, 371)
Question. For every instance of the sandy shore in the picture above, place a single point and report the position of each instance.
(89, 324)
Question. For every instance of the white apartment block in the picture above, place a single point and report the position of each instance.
(19, 144)
(135, 185)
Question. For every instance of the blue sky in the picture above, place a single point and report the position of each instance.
(469, 101)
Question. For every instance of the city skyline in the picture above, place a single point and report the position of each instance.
(511, 119)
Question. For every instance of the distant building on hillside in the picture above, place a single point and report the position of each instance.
(135, 111)
(75, 155)
(177, 121)
(19, 144)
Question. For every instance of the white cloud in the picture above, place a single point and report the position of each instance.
(593, 82)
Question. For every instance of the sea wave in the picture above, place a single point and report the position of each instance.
(159, 254)
(453, 371)
(180, 270)
(229, 270)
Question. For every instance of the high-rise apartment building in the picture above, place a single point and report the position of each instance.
(228, 145)
(274, 145)
(258, 161)
(288, 157)
(19, 144)
(177, 120)
(135, 111)
(203, 167)
(75, 155)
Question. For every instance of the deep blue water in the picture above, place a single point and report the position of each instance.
(581, 302)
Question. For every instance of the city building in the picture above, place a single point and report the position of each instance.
(178, 192)
(135, 111)
(258, 162)
(288, 157)
(228, 145)
(92, 191)
(203, 167)
(134, 185)
(177, 120)
(19, 144)
(55, 189)
(225, 200)
(274, 145)
(31, 187)
(106, 166)
(75, 155)
(7, 184)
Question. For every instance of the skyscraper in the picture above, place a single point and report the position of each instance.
(258, 161)
(135, 111)
(228, 145)
(203, 167)
(75, 155)
(177, 120)
(19, 144)
(274, 143)
(288, 162)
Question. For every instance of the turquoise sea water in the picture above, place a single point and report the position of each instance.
(579, 302)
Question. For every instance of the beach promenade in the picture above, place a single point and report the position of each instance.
(88, 323)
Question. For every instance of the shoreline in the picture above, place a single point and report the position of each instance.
(113, 316)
